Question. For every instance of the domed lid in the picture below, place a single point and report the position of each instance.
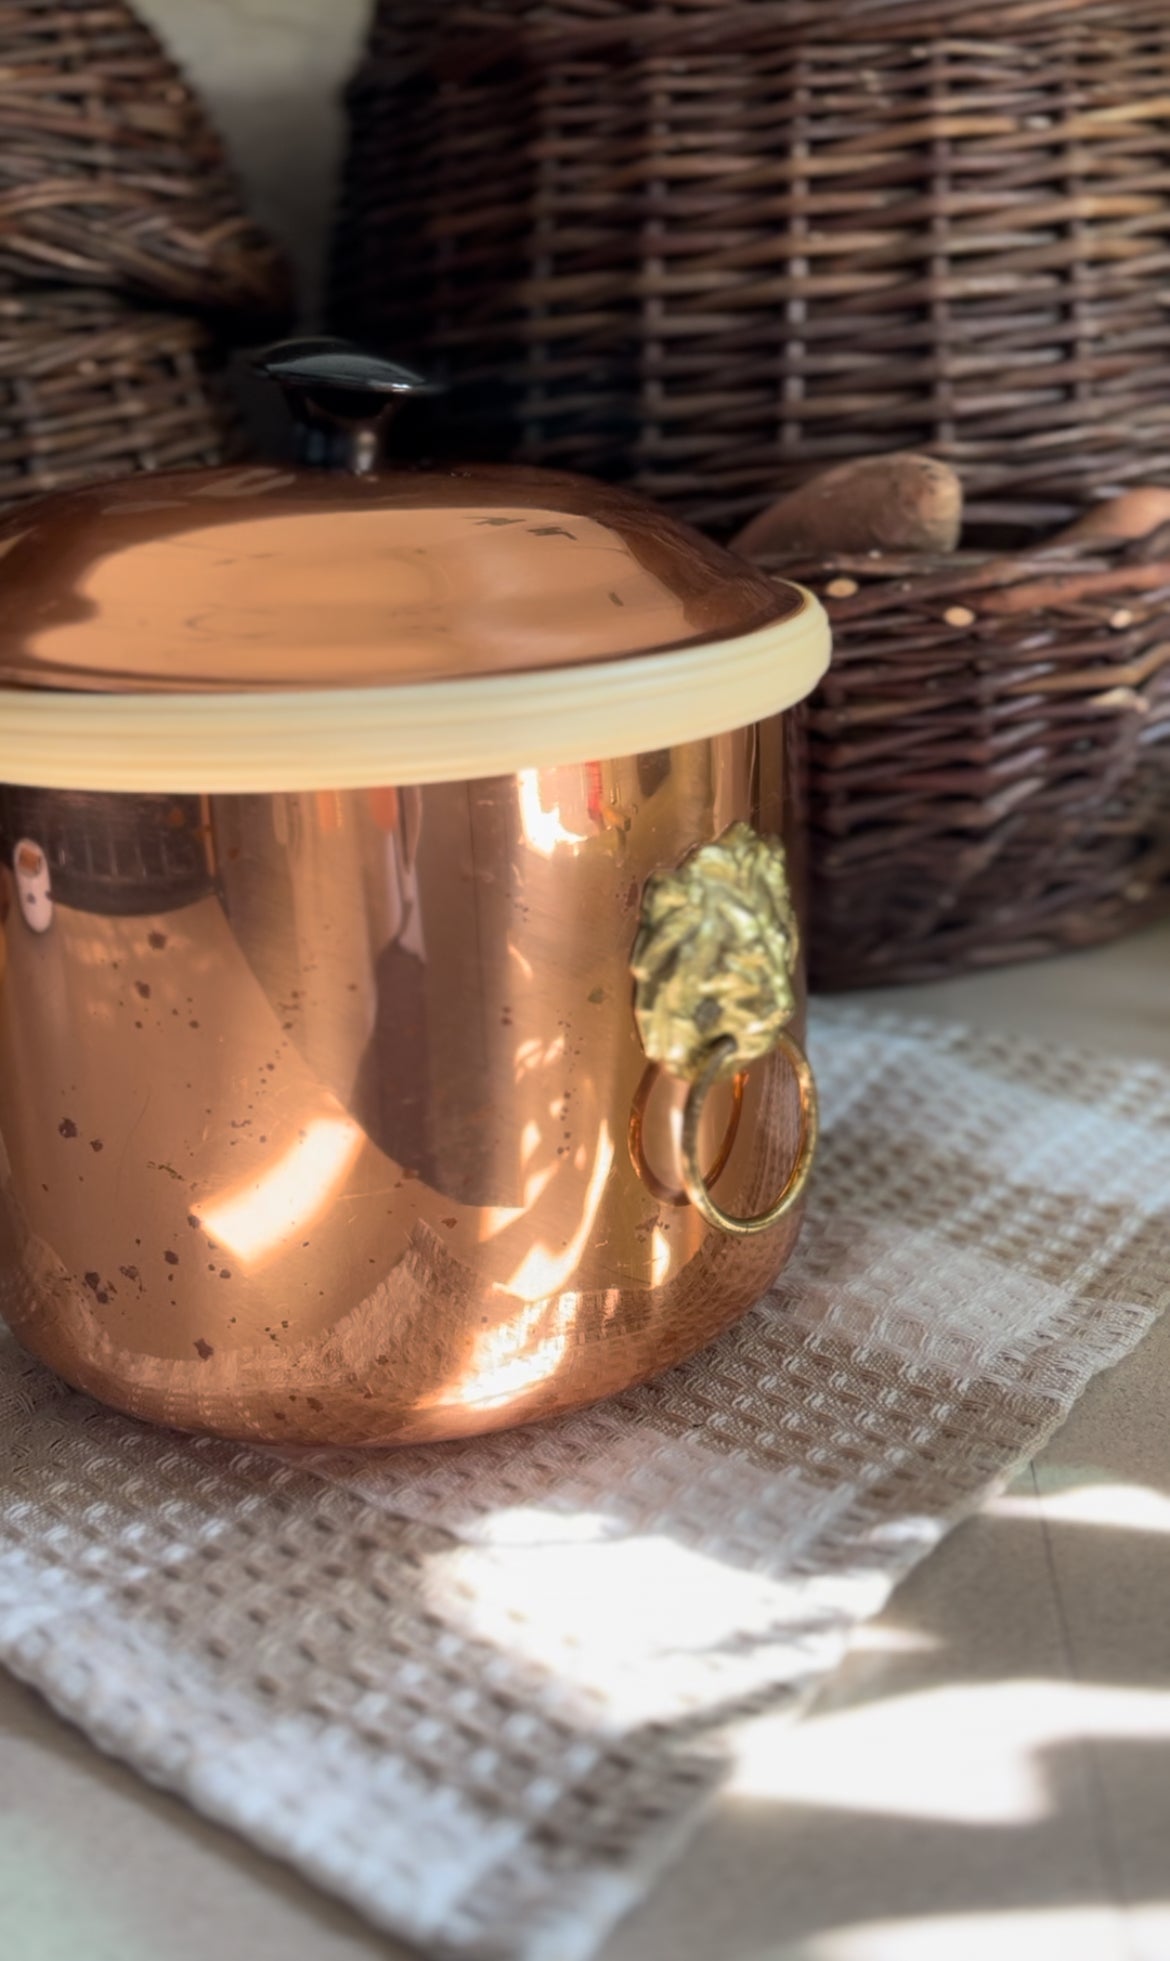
(262, 594)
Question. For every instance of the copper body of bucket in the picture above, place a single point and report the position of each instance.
(326, 1117)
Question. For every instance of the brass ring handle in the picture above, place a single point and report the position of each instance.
(697, 1188)
(676, 1194)
(715, 967)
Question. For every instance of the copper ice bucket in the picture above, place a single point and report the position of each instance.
(401, 1015)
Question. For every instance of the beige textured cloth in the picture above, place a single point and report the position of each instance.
(483, 1690)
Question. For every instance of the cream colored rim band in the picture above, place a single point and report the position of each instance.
(430, 732)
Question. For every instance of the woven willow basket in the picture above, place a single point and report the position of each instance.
(90, 388)
(989, 757)
(127, 264)
(111, 174)
(704, 247)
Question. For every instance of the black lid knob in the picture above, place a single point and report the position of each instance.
(341, 398)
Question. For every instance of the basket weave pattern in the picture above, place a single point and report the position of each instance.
(989, 757)
(126, 261)
(707, 247)
(91, 391)
(110, 173)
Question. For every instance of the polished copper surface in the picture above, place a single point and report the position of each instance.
(262, 578)
(337, 1147)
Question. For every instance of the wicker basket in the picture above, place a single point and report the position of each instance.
(110, 173)
(989, 757)
(90, 388)
(706, 246)
(127, 265)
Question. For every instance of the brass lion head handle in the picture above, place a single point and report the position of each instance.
(714, 969)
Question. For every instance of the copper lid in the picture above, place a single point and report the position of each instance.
(279, 579)
(259, 629)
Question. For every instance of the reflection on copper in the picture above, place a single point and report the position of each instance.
(461, 1239)
(259, 1217)
(296, 580)
(660, 1256)
(537, 1182)
(536, 1054)
(543, 1271)
(674, 1194)
(527, 970)
(543, 829)
(514, 1359)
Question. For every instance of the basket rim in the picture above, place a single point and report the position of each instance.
(465, 36)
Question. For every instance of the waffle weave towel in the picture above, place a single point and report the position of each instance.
(482, 1691)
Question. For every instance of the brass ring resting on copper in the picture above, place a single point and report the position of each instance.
(676, 1194)
(697, 1188)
